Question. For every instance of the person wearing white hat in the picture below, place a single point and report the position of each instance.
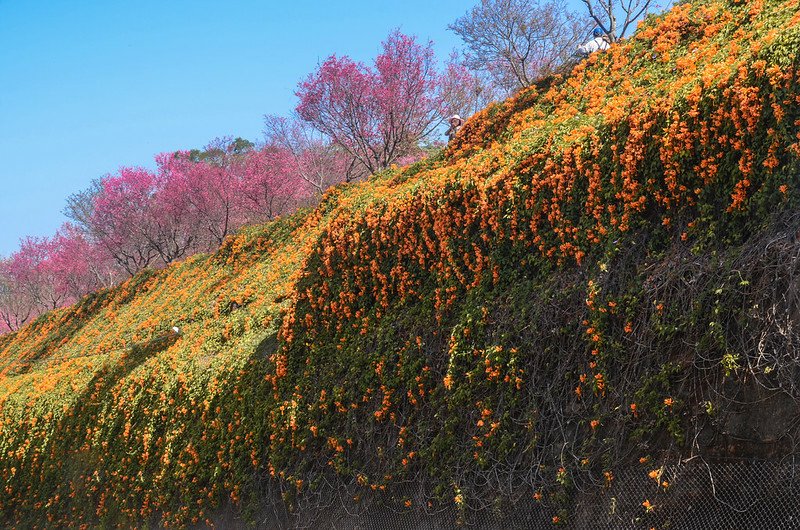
(456, 123)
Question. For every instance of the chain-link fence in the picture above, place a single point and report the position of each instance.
(694, 494)
(698, 495)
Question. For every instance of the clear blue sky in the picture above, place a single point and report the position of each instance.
(88, 86)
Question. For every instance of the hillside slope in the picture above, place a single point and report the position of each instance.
(595, 272)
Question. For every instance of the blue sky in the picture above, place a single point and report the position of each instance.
(88, 86)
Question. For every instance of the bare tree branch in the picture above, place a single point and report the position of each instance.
(518, 41)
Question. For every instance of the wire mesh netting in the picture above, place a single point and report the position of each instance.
(697, 494)
(694, 494)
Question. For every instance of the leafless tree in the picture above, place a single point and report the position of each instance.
(518, 41)
(606, 14)
(465, 91)
(79, 206)
(313, 157)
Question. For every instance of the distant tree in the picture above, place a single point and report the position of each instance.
(228, 184)
(79, 266)
(141, 218)
(519, 41)
(135, 218)
(375, 114)
(46, 273)
(16, 307)
(208, 181)
(606, 14)
(465, 91)
(309, 154)
(181, 205)
(121, 218)
(80, 205)
(217, 149)
(270, 185)
(32, 271)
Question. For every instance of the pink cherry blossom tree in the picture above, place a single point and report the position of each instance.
(78, 266)
(32, 271)
(120, 220)
(129, 218)
(376, 114)
(21, 290)
(16, 307)
(176, 210)
(45, 273)
(208, 181)
(270, 184)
